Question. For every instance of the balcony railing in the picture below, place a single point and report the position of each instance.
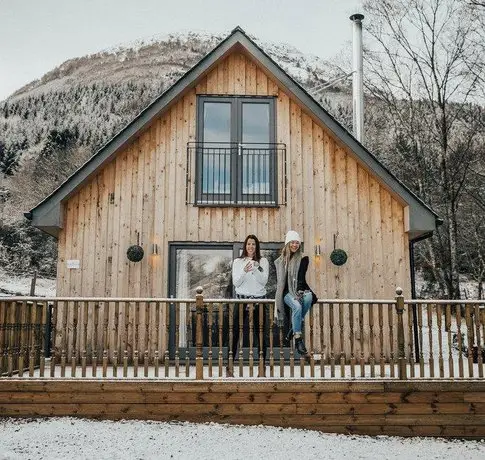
(232, 174)
(193, 338)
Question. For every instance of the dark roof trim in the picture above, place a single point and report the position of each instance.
(47, 214)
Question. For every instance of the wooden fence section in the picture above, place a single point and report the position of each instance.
(405, 408)
(22, 336)
(194, 338)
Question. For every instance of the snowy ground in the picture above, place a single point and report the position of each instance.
(59, 438)
(20, 285)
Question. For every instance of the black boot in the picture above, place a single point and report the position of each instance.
(300, 347)
(289, 335)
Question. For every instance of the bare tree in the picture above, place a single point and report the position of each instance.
(425, 66)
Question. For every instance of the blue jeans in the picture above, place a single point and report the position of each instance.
(299, 308)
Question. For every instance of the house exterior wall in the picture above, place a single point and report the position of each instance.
(140, 198)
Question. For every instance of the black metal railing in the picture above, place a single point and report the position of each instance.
(226, 173)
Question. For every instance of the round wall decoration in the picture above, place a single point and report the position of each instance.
(338, 257)
(135, 253)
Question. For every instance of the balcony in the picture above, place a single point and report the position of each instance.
(233, 174)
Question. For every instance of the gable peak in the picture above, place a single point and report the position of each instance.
(238, 29)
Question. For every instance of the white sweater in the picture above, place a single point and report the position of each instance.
(252, 283)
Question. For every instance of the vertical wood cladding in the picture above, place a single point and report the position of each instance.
(139, 198)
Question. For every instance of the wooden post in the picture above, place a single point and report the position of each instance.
(400, 335)
(199, 358)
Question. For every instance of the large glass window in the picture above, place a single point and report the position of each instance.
(236, 153)
(209, 265)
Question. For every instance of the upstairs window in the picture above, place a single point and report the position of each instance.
(235, 152)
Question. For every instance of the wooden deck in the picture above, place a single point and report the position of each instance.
(442, 407)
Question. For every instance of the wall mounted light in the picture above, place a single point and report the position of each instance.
(155, 249)
(317, 250)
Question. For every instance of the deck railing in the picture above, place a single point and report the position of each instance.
(194, 338)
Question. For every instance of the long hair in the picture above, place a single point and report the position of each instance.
(257, 253)
(286, 253)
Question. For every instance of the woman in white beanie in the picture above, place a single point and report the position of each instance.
(292, 288)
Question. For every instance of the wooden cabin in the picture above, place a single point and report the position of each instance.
(236, 146)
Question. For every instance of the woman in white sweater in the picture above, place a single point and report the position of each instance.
(249, 276)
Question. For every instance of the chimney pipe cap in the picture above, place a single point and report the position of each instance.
(356, 17)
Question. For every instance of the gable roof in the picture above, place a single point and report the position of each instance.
(47, 214)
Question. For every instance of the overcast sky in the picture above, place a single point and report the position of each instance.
(38, 35)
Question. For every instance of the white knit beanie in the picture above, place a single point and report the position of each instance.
(292, 236)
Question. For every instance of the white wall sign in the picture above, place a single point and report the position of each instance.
(73, 263)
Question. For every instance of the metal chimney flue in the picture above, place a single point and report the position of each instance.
(358, 78)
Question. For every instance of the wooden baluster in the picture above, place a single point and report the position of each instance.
(342, 344)
(145, 363)
(401, 348)
(470, 338)
(439, 321)
(459, 339)
(3, 350)
(352, 340)
(479, 340)
(312, 346)
(230, 357)
(156, 359)
(95, 340)
(322, 342)
(177, 340)
(3, 337)
(64, 338)
(188, 331)
(429, 315)
(372, 359)
(125, 363)
(332, 340)
(271, 340)
(220, 330)
(126, 323)
(85, 308)
(199, 356)
(23, 338)
(390, 318)
(261, 364)
(451, 372)
(420, 338)
(240, 338)
(115, 339)
(33, 338)
(251, 339)
(410, 340)
(136, 361)
(209, 336)
(292, 358)
(42, 337)
(146, 356)
(136, 343)
(382, 360)
(361, 339)
(55, 311)
(482, 320)
(106, 307)
(166, 359)
(74, 339)
(282, 355)
(11, 341)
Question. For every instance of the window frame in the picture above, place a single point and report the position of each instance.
(235, 197)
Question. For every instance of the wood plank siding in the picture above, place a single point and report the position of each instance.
(139, 198)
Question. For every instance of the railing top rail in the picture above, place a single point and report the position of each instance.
(444, 302)
(192, 300)
(96, 299)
